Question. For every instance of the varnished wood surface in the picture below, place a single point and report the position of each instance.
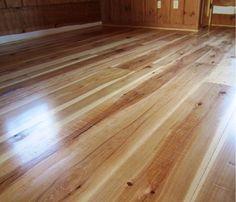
(217, 19)
(147, 13)
(20, 16)
(119, 114)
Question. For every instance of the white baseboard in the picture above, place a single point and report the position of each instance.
(40, 33)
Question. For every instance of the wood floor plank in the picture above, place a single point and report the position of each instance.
(192, 76)
(10, 89)
(118, 114)
(218, 183)
(60, 65)
(225, 71)
(165, 76)
(152, 180)
(62, 49)
(73, 55)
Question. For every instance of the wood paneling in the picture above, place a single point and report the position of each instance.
(146, 13)
(115, 11)
(118, 115)
(125, 16)
(105, 7)
(163, 13)
(191, 12)
(21, 16)
(10, 21)
(150, 12)
(228, 20)
(13, 3)
(137, 12)
(2, 4)
(218, 19)
(176, 15)
(225, 2)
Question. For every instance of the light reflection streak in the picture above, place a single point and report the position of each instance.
(34, 140)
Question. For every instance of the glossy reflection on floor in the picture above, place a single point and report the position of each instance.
(35, 124)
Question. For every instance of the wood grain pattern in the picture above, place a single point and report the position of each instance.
(19, 16)
(189, 14)
(144, 116)
(220, 178)
(146, 13)
(218, 19)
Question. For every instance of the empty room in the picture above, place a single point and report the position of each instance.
(117, 100)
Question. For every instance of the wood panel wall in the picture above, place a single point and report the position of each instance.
(218, 19)
(146, 13)
(224, 19)
(18, 16)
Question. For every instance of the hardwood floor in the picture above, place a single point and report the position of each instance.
(119, 114)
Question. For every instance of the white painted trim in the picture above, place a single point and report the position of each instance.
(40, 33)
(227, 10)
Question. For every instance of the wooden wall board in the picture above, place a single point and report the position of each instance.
(191, 12)
(146, 13)
(225, 2)
(137, 12)
(105, 7)
(176, 15)
(223, 20)
(52, 2)
(2, 4)
(10, 21)
(13, 3)
(125, 15)
(163, 13)
(115, 11)
(150, 12)
(24, 16)
(217, 19)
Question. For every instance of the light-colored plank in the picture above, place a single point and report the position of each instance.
(218, 182)
(116, 120)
